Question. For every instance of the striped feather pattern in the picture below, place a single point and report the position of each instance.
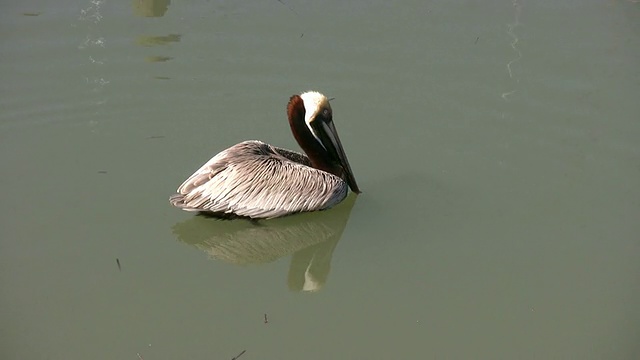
(257, 180)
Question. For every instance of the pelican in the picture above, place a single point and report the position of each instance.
(256, 180)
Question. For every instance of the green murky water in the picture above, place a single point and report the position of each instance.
(496, 144)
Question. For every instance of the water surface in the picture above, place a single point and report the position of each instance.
(496, 144)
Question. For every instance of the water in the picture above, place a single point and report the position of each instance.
(496, 144)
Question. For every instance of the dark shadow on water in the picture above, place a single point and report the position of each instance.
(310, 237)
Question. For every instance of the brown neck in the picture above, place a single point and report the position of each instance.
(309, 144)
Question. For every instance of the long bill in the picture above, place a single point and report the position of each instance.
(329, 136)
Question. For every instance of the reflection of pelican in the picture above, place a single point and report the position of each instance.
(257, 180)
(158, 40)
(151, 8)
(311, 238)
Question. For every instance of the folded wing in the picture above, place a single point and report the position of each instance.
(257, 180)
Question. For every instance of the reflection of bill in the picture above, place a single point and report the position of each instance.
(150, 8)
(310, 237)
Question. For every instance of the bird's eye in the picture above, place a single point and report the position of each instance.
(326, 113)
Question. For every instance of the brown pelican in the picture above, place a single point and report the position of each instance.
(260, 181)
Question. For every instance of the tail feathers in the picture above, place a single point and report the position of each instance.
(177, 200)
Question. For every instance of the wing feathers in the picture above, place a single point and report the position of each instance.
(257, 180)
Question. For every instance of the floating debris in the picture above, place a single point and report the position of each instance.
(158, 58)
(288, 6)
(237, 356)
(158, 40)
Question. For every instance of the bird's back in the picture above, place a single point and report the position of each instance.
(254, 179)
